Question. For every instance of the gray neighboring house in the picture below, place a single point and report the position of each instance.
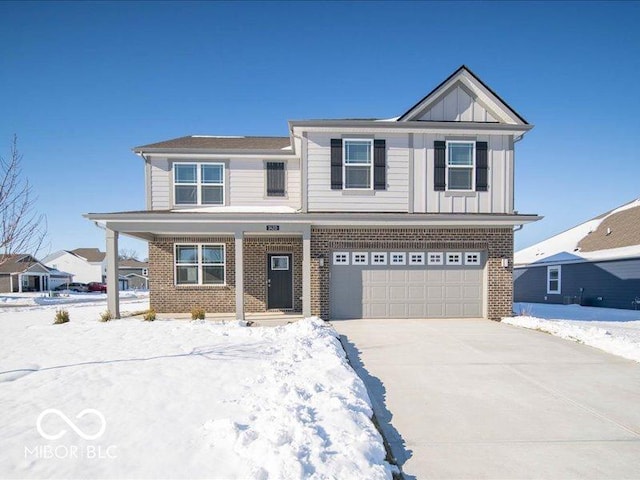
(596, 263)
(136, 273)
(24, 273)
(410, 216)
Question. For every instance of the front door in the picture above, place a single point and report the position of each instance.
(279, 280)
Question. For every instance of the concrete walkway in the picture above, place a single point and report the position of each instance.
(479, 399)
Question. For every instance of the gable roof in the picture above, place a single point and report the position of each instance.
(89, 254)
(212, 142)
(478, 88)
(612, 235)
(132, 263)
(17, 263)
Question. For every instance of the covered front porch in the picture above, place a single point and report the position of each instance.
(261, 260)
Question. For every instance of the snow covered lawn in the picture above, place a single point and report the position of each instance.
(612, 330)
(179, 399)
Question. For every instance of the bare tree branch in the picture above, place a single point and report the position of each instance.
(22, 228)
(128, 254)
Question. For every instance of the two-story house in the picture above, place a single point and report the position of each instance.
(405, 217)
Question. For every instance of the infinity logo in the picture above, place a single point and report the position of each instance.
(73, 426)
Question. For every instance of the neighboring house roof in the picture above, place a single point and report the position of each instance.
(212, 142)
(612, 235)
(18, 263)
(132, 263)
(92, 255)
(54, 272)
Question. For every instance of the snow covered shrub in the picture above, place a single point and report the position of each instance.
(106, 316)
(62, 316)
(150, 316)
(197, 313)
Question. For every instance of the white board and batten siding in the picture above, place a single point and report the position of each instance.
(246, 183)
(458, 106)
(321, 198)
(498, 198)
(160, 171)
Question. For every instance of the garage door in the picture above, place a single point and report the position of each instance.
(389, 284)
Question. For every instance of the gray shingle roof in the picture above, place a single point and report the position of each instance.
(132, 263)
(13, 264)
(205, 142)
(621, 229)
(90, 254)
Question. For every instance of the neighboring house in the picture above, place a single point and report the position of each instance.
(136, 273)
(23, 273)
(86, 264)
(57, 278)
(404, 217)
(596, 263)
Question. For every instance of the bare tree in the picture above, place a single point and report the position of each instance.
(22, 228)
(128, 254)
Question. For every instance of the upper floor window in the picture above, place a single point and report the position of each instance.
(460, 165)
(275, 179)
(358, 163)
(198, 183)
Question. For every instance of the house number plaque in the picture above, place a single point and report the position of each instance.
(273, 228)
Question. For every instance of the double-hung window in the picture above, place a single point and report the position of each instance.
(460, 165)
(198, 183)
(553, 279)
(200, 264)
(358, 163)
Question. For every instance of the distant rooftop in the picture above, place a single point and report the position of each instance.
(614, 234)
(219, 142)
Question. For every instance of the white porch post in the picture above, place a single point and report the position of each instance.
(239, 263)
(113, 287)
(306, 272)
(19, 283)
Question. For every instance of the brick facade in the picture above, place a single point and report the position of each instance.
(166, 297)
(255, 269)
(497, 242)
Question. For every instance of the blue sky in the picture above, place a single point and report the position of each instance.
(83, 82)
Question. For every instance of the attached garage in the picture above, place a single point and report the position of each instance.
(390, 284)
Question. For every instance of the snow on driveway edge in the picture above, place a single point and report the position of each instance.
(601, 338)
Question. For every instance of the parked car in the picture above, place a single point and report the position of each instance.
(96, 287)
(73, 287)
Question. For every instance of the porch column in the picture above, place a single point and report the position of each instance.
(19, 283)
(113, 286)
(239, 263)
(306, 272)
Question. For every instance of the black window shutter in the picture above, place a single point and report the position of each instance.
(275, 179)
(482, 177)
(379, 165)
(336, 164)
(440, 167)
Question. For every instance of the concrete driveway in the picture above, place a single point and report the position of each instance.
(480, 399)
